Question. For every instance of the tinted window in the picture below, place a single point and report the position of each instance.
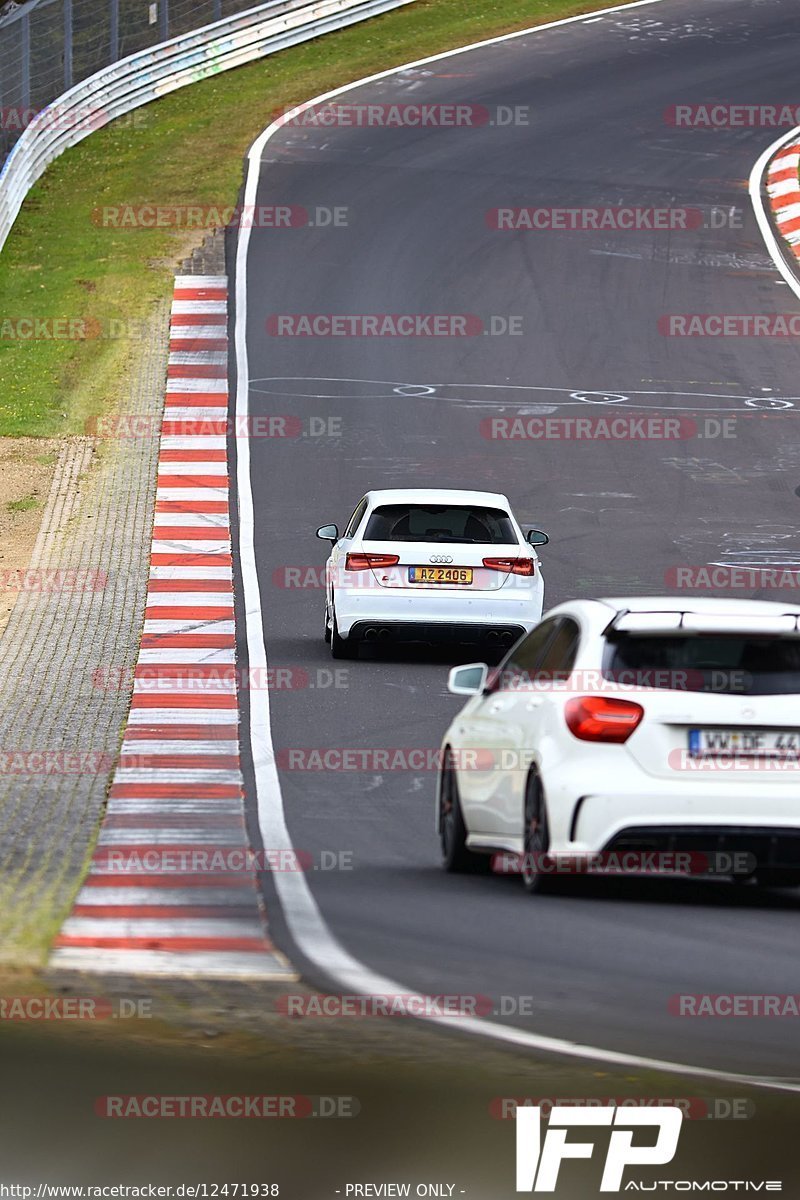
(523, 660)
(559, 657)
(732, 664)
(355, 520)
(439, 523)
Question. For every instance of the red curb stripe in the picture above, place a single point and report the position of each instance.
(202, 454)
(193, 481)
(166, 911)
(184, 700)
(188, 641)
(192, 506)
(190, 558)
(175, 791)
(224, 671)
(790, 226)
(781, 202)
(200, 293)
(197, 371)
(781, 175)
(196, 345)
(196, 400)
(178, 733)
(190, 585)
(256, 945)
(210, 318)
(179, 762)
(191, 533)
(184, 749)
(244, 881)
(169, 612)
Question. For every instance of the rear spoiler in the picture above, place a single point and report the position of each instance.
(632, 624)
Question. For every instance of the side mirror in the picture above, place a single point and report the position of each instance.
(468, 681)
(329, 533)
(536, 537)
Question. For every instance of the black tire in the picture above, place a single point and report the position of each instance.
(774, 877)
(456, 858)
(342, 647)
(327, 626)
(536, 839)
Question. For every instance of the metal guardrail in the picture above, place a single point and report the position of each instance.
(147, 75)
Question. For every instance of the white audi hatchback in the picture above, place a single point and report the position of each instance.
(431, 565)
(619, 729)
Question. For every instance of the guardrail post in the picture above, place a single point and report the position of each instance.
(163, 19)
(67, 45)
(25, 23)
(113, 48)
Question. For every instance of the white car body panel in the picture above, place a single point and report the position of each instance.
(386, 599)
(594, 791)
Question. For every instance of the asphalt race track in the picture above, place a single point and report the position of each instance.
(602, 961)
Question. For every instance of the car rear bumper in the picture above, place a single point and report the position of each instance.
(746, 847)
(600, 821)
(432, 632)
(423, 616)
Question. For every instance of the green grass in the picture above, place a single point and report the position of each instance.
(187, 148)
(24, 505)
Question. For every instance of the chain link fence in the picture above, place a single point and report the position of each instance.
(46, 46)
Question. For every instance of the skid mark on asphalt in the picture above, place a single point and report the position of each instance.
(492, 394)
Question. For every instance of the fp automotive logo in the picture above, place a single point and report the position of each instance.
(538, 1165)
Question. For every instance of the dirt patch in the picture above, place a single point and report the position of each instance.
(27, 466)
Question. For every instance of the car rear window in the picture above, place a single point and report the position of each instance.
(439, 523)
(732, 664)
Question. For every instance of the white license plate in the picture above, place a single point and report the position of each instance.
(749, 743)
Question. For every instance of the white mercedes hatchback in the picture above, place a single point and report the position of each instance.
(431, 565)
(631, 735)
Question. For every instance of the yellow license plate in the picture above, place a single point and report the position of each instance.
(458, 576)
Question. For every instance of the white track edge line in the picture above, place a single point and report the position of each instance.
(303, 917)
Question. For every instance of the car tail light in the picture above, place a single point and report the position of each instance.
(600, 719)
(370, 562)
(511, 566)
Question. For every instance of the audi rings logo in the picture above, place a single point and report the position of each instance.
(441, 558)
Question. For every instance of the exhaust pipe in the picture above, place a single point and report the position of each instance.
(384, 635)
(493, 636)
(370, 635)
